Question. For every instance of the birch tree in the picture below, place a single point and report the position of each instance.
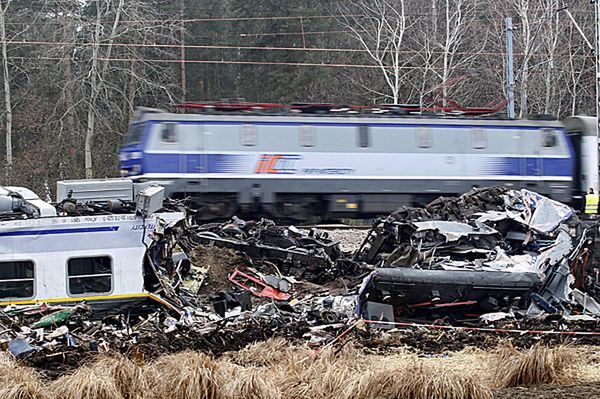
(378, 26)
(8, 116)
(119, 46)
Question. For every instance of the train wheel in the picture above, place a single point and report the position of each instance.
(299, 208)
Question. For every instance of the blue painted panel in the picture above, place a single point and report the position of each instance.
(59, 231)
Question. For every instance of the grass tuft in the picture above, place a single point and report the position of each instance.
(183, 375)
(538, 365)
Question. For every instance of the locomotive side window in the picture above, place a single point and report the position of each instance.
(89, 275)
(248, 135)
(169, 132)
(364, 136)
(478, 138)
(134, 134)
(549, 138)
(424, 137)
(16, 279)
(307, 136)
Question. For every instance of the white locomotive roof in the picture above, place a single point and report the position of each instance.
(345, 118)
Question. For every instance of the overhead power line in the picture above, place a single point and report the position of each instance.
(249, 48)
(229, 62)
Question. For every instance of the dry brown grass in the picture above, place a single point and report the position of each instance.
(538, 365)
(127, 375)
(416, 380)
(251, 384)
(183, 375)
(88, 382)
(277, 370)
(107, 376)
(17, 382)
(267, 353)
(426, 382)
(350, 374)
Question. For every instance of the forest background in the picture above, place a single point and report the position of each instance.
(74, 70)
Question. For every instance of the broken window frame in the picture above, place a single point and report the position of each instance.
(89, 276)
(30, 281)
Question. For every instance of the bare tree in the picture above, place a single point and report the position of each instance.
(113, 52)
(8, 115)
(446, 45)
(379, 26)
(97, 76)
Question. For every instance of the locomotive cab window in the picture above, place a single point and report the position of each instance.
(549, 138)
(364, 136)
(16, 279)
(248, 135)
(424, 137)
(91, 275)
(134, 134)
(169, 132)
(478, 138)
(307, 136)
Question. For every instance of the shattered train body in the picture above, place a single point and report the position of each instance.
(489, 250)
(489, 254)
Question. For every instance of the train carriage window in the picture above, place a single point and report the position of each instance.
(364, 136)
(248, 135)
(478, 138)
(307, 136)
(16, 279)
(169, 132)
(91, 275)
(424, 137)
(549, 138)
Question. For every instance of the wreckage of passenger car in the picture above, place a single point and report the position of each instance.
(489, 250)
(90, 246)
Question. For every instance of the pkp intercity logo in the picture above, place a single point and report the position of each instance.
(279, 164)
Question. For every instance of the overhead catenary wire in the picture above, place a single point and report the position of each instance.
(274, 63)
(188, 61)
(256, 48)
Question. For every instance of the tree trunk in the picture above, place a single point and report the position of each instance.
(91, 113)
(96, 82)
(67, 152)
(7, 96)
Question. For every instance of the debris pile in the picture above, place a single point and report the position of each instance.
(491, 257)
(312, 257)
(490, 250)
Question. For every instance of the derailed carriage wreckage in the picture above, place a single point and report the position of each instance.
(487, 255)
(489, 251)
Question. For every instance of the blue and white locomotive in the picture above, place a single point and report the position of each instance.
(297, 166)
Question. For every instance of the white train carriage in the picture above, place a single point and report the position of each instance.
(49, 258)
(300, 165)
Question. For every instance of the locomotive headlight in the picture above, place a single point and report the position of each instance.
(124, 156)
(136, 155)
(136, 169)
